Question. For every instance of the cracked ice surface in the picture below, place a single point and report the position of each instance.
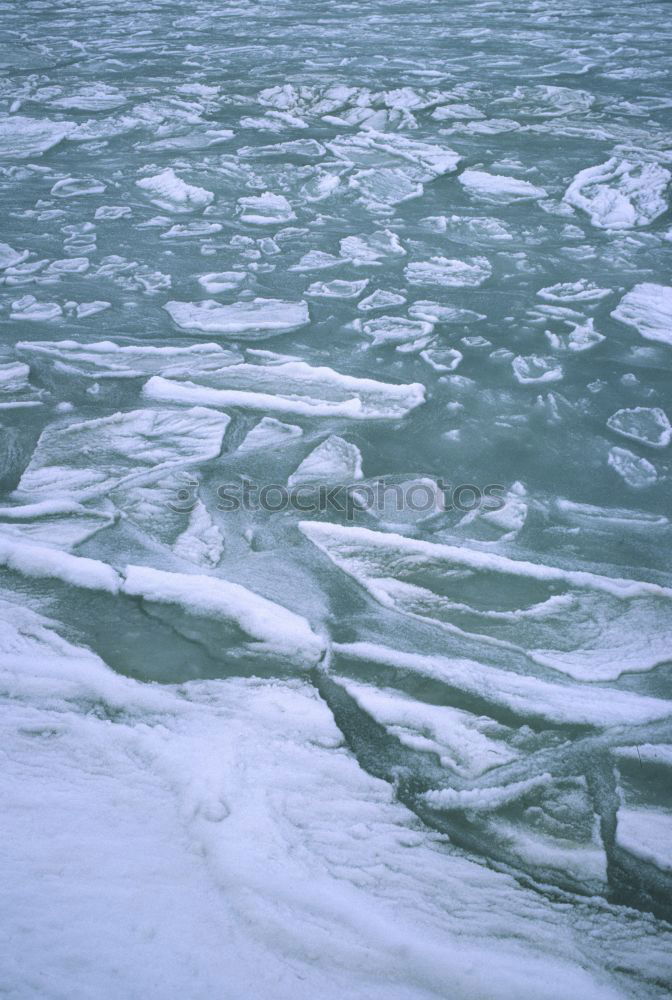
(268, 729)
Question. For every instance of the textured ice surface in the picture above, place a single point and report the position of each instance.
(497, 187)
(255, 320)
(648, 308)
(340, 669)
(620, 195)
(292, 387)
(126, 446)
(172, 194)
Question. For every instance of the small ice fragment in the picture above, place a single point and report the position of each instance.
(168, 191)
(637, 472)
(648, 426)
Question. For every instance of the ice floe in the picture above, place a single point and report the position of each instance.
(648, 308)
(21, 137)
(256, 319)
(648, 425)
(85, 459)
(637, 472)
(620, 194)
(291, 387)
(498, 187)
(266, 209)
(449, 272)
(168, 191)
(334, 461)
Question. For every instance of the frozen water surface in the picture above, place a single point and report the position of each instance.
(268, 731)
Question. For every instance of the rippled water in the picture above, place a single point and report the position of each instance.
(336, 606)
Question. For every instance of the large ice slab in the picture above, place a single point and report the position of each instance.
(291, 387)
(585, 625)
(106, 360)
(257, 319)
(648, 308)
(86, 459)
(21, 137)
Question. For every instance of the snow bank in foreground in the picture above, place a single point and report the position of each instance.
(217, 833)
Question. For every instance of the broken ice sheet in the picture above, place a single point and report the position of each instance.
(86, 459)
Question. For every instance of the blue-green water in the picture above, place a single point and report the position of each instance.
(335, 435)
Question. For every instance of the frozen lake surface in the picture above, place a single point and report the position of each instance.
(336, 604)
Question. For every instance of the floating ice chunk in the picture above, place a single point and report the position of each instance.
(269, 433)
(192, 230)
(10, 257)
(449, 272)
(397, 330)
(442, 359)
(647, 834)
(93, 97)
(472, 230)
(429, 160)
(68, 265)
(317, 260)
(89, 458)
(459, 112)
(504, 523)
(549, 102)
(434, 312)
(380, 188)
(85, 309)
(197, 138)
(169, 192)
(637, 472)
(334, 461)
(201, 542)
(573, 291)
(381, 299)
(266, 209)
(320, 187)
(21, 138)
(648, 308)
(257, 319)
(337, 289)
(498, 187)
(491, 126)
(649, 426)
(528, 697)
(76, 187)
(372, 248)
(292, 387)
(305, 149)
(620, 194)
(222, 281)
(13, 376)
(29, 308)
(581, 337)
(533, 368)
(274, 628)
(106, 359)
